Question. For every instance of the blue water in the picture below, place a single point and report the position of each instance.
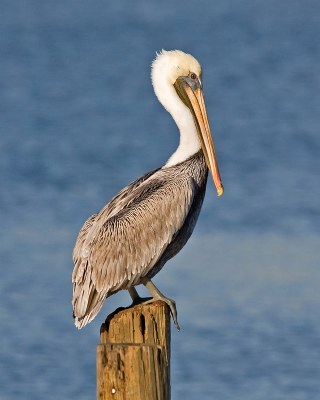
(79, 120)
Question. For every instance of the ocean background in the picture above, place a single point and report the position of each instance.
(79, 121)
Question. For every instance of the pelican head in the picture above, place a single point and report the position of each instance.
(176, 78)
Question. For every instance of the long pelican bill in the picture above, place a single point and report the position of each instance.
(190, 92)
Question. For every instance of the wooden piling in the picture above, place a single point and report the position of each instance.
(133, 359)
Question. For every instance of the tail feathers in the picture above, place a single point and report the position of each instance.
(86, 302)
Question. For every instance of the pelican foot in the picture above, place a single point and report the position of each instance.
(157, 295)
(172, 305)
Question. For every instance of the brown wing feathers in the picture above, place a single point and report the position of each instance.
(119, 245)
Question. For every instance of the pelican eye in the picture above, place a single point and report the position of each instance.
(193, 76)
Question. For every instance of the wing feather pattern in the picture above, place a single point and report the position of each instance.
(120, 244)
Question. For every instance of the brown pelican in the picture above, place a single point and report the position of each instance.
(149, 221)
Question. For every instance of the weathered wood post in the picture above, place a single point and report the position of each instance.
(133, 359)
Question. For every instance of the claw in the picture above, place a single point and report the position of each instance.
(173, 311)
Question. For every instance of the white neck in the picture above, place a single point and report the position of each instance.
(189, 145)
(189, 142)
(166, 68)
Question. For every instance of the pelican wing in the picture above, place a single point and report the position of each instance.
(124, 241)
(93, 224)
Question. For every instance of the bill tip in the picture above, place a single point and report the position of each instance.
(220, 190)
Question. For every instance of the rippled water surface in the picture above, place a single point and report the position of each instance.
(79, 120)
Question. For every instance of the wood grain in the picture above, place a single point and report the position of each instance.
(133, 359)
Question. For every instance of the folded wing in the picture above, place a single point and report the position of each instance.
(121, 244)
